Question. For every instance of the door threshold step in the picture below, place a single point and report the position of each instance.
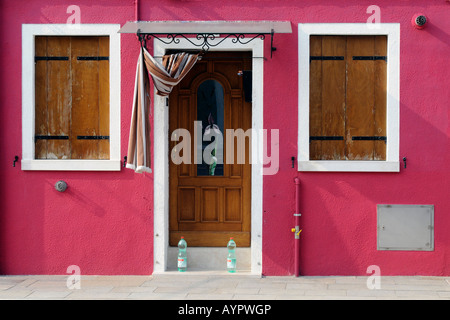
(204, 273)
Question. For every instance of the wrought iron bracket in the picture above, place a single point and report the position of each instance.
(204, 41)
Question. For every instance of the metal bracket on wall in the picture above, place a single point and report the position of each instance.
(206, 34)
(272, 48)
(205, 41)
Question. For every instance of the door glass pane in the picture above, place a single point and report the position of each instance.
(210, 104)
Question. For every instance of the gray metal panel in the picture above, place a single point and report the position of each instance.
(405, 227)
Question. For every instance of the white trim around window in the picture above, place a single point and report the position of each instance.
(392, 31)
(29, 32)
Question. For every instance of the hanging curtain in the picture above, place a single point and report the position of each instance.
(172, 70)
(165, 76)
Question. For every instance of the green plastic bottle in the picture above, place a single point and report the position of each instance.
(182, 255)
(231, 259)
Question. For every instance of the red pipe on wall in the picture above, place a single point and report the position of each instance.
(297, 229)
(136, 10)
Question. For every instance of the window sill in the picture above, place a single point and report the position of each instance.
(71, 165)
(349, 166)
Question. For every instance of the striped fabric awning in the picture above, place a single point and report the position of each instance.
(165, 76)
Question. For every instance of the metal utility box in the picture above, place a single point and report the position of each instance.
(405, 227)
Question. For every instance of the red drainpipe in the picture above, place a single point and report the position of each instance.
(297, 229)
(136, 10)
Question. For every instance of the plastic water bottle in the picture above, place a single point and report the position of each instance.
(231, 259)
(182, 255)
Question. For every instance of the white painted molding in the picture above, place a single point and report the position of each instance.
(161, 156)
(29, 32)
(392, 31)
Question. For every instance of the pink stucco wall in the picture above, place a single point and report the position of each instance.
(104, 221)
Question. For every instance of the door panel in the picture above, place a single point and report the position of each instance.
(210, 204)
(233, 208)
(210, 201)
(186, 209)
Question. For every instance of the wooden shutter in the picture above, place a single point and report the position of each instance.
(52, 98)
(348, 97)
(72, 98)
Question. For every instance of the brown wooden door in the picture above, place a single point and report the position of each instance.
(209, 209)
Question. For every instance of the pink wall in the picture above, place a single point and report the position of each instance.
(104, 221)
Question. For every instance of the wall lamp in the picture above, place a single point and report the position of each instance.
(419, 20)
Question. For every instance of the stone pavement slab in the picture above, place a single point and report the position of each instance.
(222, 286)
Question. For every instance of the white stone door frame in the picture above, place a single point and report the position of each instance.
(161, 155)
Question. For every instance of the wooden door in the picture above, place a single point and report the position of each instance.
(210, 202)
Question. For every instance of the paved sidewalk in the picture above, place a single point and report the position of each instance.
(222, 286)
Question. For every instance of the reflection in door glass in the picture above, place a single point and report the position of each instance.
(210, 104)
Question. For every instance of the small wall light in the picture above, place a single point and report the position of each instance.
(419, 20)
(61, 186)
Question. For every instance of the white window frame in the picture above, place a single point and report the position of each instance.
(29, 32)
(392, 31)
